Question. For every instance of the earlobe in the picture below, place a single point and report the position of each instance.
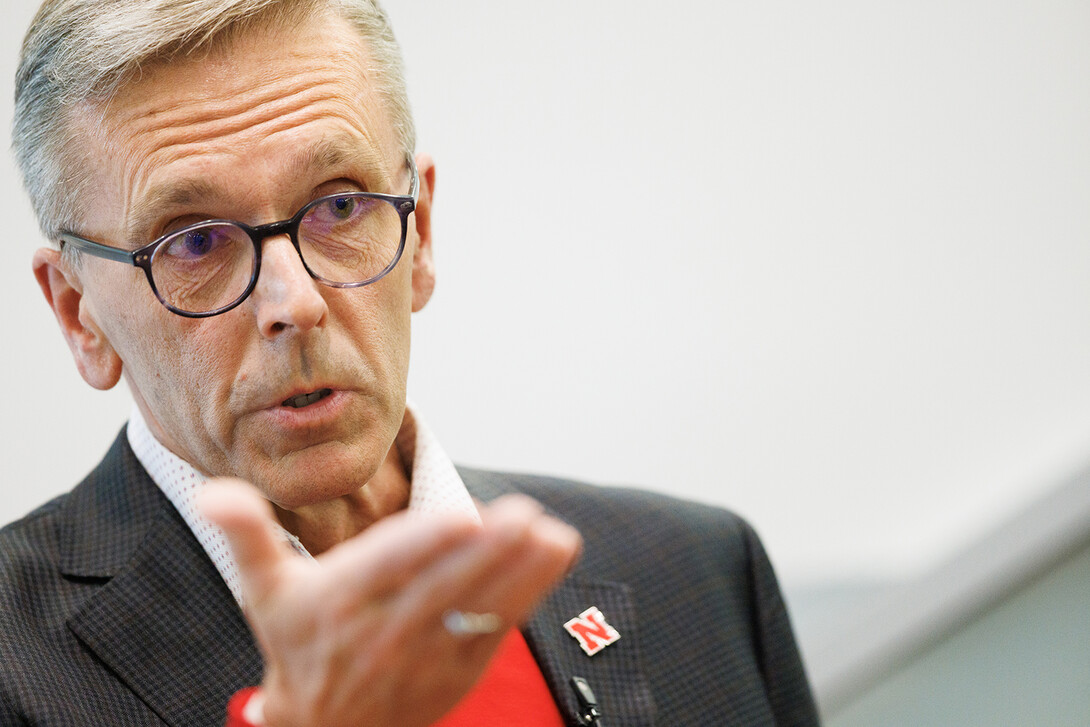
(98, 363)
(423, 260)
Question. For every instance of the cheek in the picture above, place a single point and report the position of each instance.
(394, 305)
(166, 359)
(373, 322)
(162, 369)
(116, 303)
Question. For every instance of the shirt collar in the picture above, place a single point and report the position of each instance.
(436, 486)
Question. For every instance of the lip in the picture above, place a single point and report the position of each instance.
(276, 400)
(322, 412)
(308, 398)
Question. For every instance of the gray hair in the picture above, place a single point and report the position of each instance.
(83, 51)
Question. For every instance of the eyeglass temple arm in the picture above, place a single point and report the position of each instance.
(97, 249)
(414, 185)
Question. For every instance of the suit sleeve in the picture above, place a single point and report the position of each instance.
(8, 717)
(778, 654)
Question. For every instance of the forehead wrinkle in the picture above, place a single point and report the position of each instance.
(209, 82)
(166, 142)
(151, 147)
(336, 152)
(228, 104)
(204, 122)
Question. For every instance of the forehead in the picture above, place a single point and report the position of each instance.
(272, 104)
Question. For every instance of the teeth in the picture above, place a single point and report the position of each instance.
(306, 399)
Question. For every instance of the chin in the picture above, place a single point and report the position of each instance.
(303, 486)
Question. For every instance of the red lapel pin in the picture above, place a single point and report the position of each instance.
(592, 631)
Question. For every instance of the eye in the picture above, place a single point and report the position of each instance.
(343, 207)
(197, 243)
(336, 209)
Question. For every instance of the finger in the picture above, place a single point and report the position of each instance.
(546, 542)
(249, 524)
(546, 552)
(393, 551)
(525, 576)
(518, 556)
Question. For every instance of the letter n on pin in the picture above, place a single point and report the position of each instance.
(592, 631)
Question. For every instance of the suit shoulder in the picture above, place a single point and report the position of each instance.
(656, 519)
(30, 538)
(676, 557)
(565, 494)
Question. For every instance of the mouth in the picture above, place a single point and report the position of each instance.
(302, 400)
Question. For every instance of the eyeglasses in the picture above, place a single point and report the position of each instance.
(344, 240)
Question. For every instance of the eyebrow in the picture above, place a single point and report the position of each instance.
(336, 152)
(146, 213)
(333, 152)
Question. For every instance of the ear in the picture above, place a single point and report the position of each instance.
(423, 260)
(98, 363)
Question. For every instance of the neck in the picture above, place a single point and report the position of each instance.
(322, 525)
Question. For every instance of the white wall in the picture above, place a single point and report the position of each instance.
(825, 263)
(1021, 662)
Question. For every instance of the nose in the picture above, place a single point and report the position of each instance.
(286, 297)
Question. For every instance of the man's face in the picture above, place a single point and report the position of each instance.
(253, 133)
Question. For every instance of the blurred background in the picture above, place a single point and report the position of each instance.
(822, 263)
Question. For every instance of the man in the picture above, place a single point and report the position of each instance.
(242, 232)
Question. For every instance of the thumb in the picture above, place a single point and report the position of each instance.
(248, 522)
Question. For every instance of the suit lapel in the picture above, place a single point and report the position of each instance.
(164, 622)
(615, 673)
(172, 606)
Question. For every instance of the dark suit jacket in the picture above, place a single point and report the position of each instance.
(112, 614)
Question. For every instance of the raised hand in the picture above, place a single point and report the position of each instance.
(357, 636)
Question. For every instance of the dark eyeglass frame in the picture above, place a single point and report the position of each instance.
(142, 256)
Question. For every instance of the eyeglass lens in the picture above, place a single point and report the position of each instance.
(348, 238)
